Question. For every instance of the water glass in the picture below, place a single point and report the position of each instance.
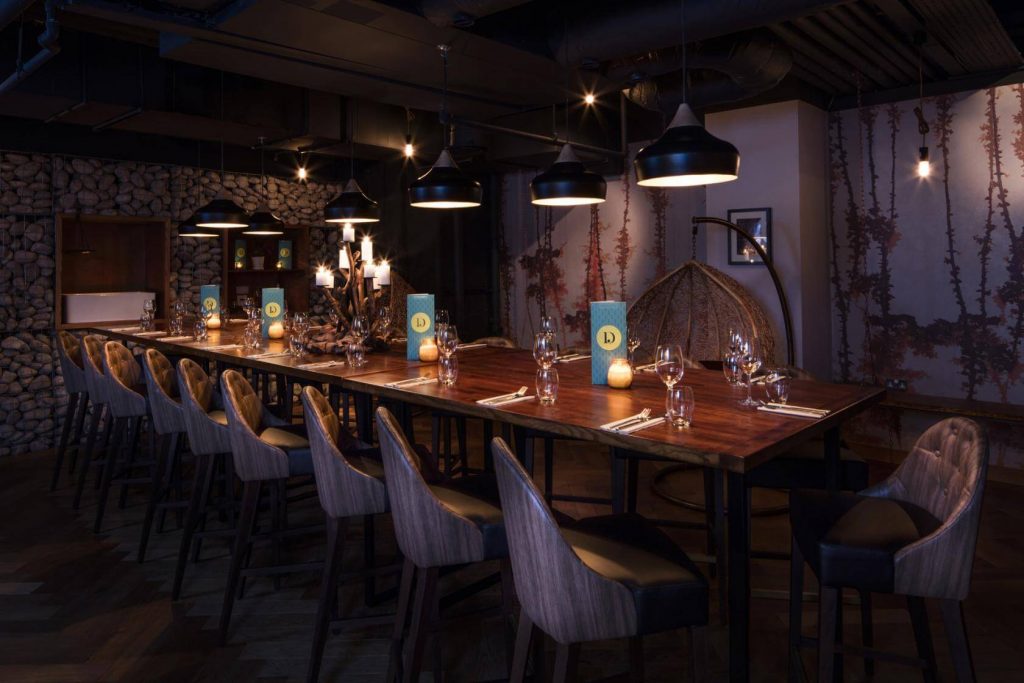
(296, 344)
(731, 368)
(447, 339)
(355, 354)
(777, 386)
(448, 370)
(199, 329)
(251, 338)
(544, 350)
(547, 386)
(679, 406)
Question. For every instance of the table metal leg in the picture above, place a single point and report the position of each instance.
(832, 468)
(618, 482)
(739, 578)
(364, 416)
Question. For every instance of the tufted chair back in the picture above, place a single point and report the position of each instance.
(92, 363)
(944, 474)
(123, 376)
(344, 490)
(255, 460)
(206, 424)
(71, 363)
(428, 532)
(562, 596)
(162, 389)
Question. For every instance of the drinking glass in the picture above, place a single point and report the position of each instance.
(355, 354)
(448, 370)
(544, 350)
(547, 386)
(383, 320)
(360, 328)
(632, 344)
(441, 318)
(548, 325)
(750, 362)
(679, 406)
(731, 368)
(251, 338)
(668, 363)
(735, 339)
(199, 329)
(447, 340)
(777, 386)
(296, 344)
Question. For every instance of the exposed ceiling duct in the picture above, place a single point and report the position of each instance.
(48, 49)
(463, 13)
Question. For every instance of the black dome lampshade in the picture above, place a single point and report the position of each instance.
(263, 222)
(222, 213)
(686, 154)
(188, 229)
(352, 206)
(568, 183)
(445, 186)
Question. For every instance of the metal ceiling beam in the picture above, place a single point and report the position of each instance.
(827, 41)
(817, 55)
(911, 24)
(872, 49)
(900, 46)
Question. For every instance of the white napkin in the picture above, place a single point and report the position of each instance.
(793, 411)
(270, 354)
(634, 427)
(466, 347)
(322, 364)
(411, 382)
(154, 333)
(184, 337)
(222, 347)
(572, 357)
(125, 329)
(495, 401)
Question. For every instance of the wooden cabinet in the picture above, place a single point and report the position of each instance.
(241, 275)
(112, 254)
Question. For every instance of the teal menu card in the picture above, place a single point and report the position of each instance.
(273, 308)
(209, 297)
(420, 323)
(607, 337)
(284, 254)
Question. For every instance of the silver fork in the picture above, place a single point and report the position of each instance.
(644, 416)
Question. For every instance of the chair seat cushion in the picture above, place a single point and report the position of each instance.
(851, 540)
(218, 416)
(476, 499)
(668, 589)
(292, 440)
(804, 468)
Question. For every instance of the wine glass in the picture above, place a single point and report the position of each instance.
(668, 363)
(360, 328)
(735, 339)
(544, 350)
(384, 320)
(441, 318)
(447, 340)
(750, 362)
(632, 344)
(731, 367)
(548, 325)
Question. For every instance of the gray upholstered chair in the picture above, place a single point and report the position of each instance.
(168, 423)
(913, 534)
(264, 449)
(69, 349)
(437, 525)
(128, 403)
(616, 576)
(206, 424)
(349, 483)
(98, 434)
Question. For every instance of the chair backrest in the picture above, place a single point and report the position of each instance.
(123, 374)
(197, 390)
(564, 597)
(255, 460)
(162, 389)
(92, 363)
(944, 474)
(70, 350)
(428, 532)
(344, 491)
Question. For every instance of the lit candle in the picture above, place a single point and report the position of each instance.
(275, 330)
(428, 350)
(369, 269)
(280, 265)
(343, 259)
(620, 374)
(383, 273)
(348, 233)
(324, 277)
(367, 250)
(376, 283)
(214, 322)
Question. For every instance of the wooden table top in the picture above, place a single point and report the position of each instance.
(723, 434)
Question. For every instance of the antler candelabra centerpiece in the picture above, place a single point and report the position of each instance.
(361, 292)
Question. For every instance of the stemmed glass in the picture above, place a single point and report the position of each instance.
(146, 321)
(750, 362)
(441, 318)
(383, 320)
(548, 325)
(668, 363)
(360, 328)
(632, 344)
(544, 350)
(447, 340)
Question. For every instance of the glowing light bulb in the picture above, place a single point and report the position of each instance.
(589, 98)
(924, 167)
(303, 174)
(408, 150)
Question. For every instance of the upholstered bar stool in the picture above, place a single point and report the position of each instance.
(168, 423)
(73, 372)
(266, 450)
(437, 525)
(615, 576)
(98, 434)
(913, 534)
(129, 407)
(349, 483)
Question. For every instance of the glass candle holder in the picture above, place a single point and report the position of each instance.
(547, 386)
(428, 350)
(620, 374)
(679, 406)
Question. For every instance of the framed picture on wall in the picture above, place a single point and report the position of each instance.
(758, 223)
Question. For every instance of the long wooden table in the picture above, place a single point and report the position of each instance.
(723, 435)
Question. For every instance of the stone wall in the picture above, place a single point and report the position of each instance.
(36, 187)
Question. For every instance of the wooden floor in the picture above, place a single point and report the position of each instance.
(77, 607)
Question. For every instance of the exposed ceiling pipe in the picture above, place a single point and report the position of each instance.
(633, 27)
(463, 13)
(11, 10)
(49, 49)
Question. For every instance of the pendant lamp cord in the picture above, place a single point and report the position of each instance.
(222, 126)
(682, 47)
(447, 130)
(922, 124)
(565, 45)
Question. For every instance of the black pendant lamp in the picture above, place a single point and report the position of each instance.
(263, 221)
(352, 206)
(189, 229)
(222, 212)
(568, 183)
(445, 186)
(686, 154)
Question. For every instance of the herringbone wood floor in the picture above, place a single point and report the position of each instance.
(77, 607)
